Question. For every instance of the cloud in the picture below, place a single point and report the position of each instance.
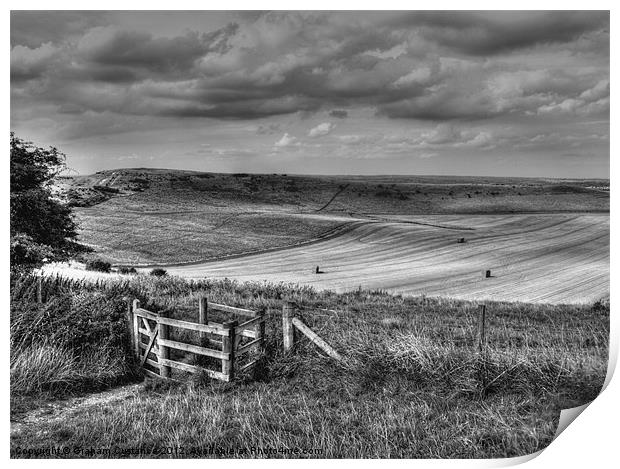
(357, 139)
(339, 113)
(479, 140)
(321, 129)
(488, 33)
(286, 141)
(113, 46)
(594, 100)
(462, 67)
(267, 129)
(449, 135)
(417, 76)
(34, 28)
(27, 63)
(444, 133)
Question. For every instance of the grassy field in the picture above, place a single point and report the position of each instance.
(410, 385)
(146, 216)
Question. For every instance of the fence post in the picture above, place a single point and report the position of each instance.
(203, 318)
(129, 318)
(39, 290)
(482, 348)
(228, 346)
(164, 352)
(481, 328)
(287, 326)
(136, 326)
(260, 332)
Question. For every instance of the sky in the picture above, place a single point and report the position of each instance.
(510, 93)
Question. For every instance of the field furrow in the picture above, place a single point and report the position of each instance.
(555, 258)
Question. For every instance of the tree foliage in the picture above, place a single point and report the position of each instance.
(42, 227)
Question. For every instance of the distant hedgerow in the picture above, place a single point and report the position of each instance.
(98, 265)
(158, 272)
(124, 269)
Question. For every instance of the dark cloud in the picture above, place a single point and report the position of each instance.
(339, 113)
(34, 28)
(109, 46)
(487, 33)
(247, 109)
(419, 65)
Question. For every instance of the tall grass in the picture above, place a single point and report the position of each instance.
(75, 340)
(410, 386)
(41, 366)
(45, 367)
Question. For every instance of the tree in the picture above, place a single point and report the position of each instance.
(42, 227)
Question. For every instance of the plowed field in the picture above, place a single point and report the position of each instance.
(547, 258)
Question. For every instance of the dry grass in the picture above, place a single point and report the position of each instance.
(45, 367)
(41, 366)
(411, 385)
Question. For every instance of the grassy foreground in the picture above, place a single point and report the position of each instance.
(410, 387)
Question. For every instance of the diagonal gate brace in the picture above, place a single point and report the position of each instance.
(149, 347)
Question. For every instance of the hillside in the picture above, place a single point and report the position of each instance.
(150, 216)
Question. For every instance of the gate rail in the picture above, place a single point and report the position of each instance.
(156, 327)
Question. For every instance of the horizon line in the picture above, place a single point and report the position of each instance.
(335, 175)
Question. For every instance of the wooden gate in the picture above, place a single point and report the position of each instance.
(161, 344)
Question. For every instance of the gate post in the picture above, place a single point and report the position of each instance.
(136, 326)
(228, 347)
(129, 319)
(164, 352)
(203, 314)
(260, 332)
(287, 326)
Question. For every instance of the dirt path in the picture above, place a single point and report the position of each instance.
(63, 409)
(341, 190)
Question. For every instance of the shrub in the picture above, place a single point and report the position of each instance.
(98, 265)
(26, 252)
(139, 180)
(125, 269)
(158, 272)
(111, 190)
